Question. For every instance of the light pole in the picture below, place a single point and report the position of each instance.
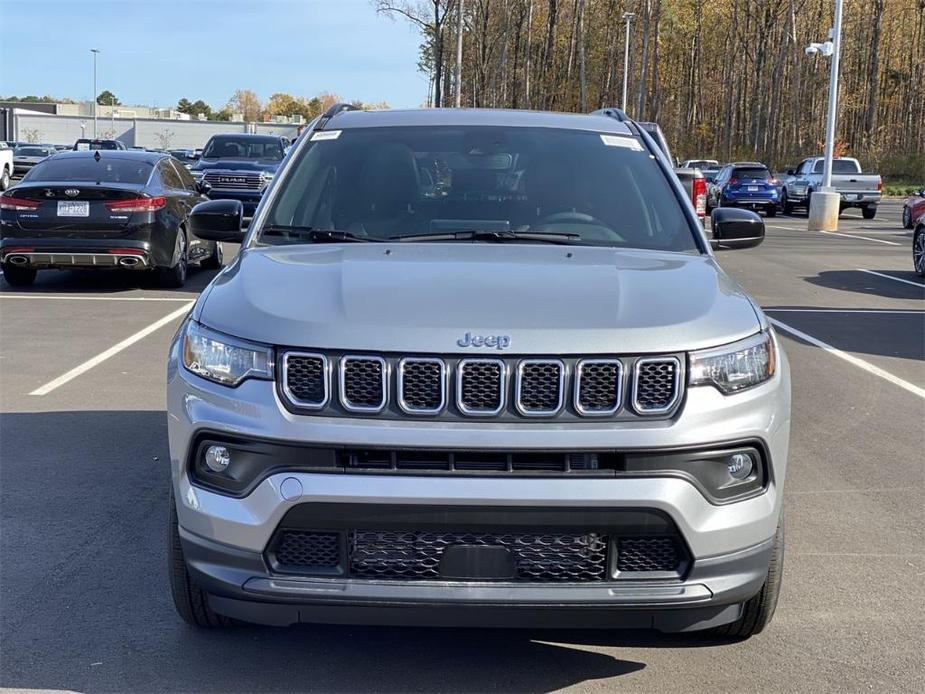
(94, 51)
(459, 39)
(824, 204)
(627, 17)
(112, 114)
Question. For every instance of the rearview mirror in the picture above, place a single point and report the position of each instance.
(218, 220)
(734, 228)
(790, 172)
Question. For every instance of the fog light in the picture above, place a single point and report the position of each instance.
(740, 465)
(217, 458)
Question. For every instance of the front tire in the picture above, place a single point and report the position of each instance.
(759, 610)
(771, 210)
(918, 252)
(786, 205)
(907, 218)
(4, 180)
(190, 601)
(869, 212)
(18, 276)
(175, 277)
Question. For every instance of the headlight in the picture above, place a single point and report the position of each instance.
(224, 359)
(737, 366)
(265, 178)
(197, 175)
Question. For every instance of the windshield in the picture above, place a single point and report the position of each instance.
(752, 173)
(231, 147)
(386, 182)
(106, 170)
(31, 152)
(839, 166)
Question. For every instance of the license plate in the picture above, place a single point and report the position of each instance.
(752, 189)
(73, 208)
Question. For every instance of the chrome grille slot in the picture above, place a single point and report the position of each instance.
(421, 385)
(599, 386)
(656, 384)
(540, 387)
(480, 385)
(363, 383)
(305, 379)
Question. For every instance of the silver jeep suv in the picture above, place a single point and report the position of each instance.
(477, 367)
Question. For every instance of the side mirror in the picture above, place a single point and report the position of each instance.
(204, 187)
(218, 220)
(734, 228)
(791, 172)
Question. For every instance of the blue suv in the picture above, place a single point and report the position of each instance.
(744, 184)
(239, 166)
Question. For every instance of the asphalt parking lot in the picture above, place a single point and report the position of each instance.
(84, 481)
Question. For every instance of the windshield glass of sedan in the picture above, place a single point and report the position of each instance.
(30, 152)
(231, 147)
(384, 182)
(106, 170)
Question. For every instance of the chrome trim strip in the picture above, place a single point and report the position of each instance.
(579, 374)
(460, 369)
(401, 384)
(326, 375)
(384, 377)
(677, 384)
(55, 257)
(519, 382)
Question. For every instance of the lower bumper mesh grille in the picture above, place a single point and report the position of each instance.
(416, 555)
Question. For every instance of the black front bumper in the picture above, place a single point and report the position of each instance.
(253, 586)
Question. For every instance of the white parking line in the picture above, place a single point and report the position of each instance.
(851, 359)
(112, 351)
(863, 238)
(890, 277)
(92, 297)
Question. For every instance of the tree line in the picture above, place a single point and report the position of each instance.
(725, 79)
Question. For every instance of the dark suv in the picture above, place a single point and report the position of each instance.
(239, 166)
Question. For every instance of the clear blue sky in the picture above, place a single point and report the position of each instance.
(157, 51)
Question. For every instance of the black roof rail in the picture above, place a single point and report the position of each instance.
(333, 111)
(615, 113)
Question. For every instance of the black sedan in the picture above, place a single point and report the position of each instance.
(103, 209)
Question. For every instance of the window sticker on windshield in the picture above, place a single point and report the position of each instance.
(618, 141)
(326, 135)
(83, 146)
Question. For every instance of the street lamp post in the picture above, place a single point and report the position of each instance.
(94, 51)
(459, 47)
(112, 114)
(824, 205)
(627, 17)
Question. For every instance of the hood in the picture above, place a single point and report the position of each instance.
(235, 165)
(408, 297)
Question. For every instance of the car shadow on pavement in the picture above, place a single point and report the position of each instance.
(106, 282)
(876, 332)
(86, 604)
(866, 283)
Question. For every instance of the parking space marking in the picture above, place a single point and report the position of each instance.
(851, 359)
(112, 351)
(863, 238)
(92, 297)
(890, 277)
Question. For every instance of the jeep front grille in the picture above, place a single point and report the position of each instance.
(450, 388)
(480, 387)
(656, 385)
(363, 383)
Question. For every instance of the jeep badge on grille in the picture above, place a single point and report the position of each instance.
(496, 341)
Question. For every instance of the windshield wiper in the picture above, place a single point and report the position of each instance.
(313, 235)
(494, 235)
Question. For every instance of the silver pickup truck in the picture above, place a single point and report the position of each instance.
(857, 189)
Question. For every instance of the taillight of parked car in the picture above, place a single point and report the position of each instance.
(879, 186)
(9, 202)
(699, 193)
(137, 204)
(733, 181)
(773, 181)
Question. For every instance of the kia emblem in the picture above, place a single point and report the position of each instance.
(71, 192)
